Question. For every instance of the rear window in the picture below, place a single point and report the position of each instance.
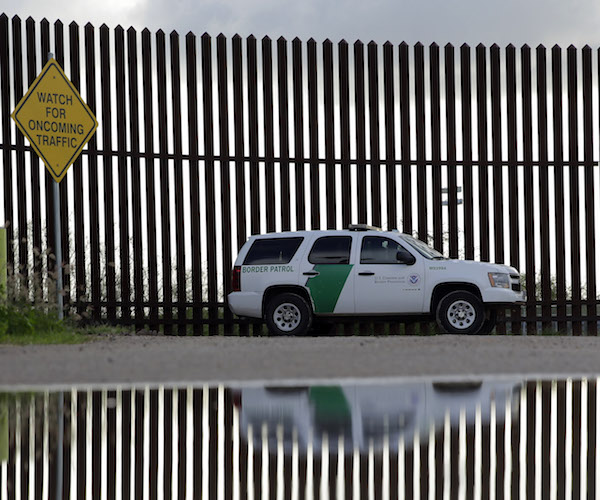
(272, 251)
(331, 250)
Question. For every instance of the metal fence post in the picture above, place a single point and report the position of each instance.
(3, 263)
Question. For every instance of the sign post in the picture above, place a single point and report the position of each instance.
(3, 263)
(58, 124)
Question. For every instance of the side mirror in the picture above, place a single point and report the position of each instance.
(404, 257)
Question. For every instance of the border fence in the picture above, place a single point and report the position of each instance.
(488, 153)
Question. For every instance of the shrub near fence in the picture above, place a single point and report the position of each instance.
(203, 142)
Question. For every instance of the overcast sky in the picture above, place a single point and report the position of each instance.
(456, 21)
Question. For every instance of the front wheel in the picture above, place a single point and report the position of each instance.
(460, 312)
(288, 314)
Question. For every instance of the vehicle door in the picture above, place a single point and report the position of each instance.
(326, 273)
(388, 278)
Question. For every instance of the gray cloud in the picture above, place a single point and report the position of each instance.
(442, 21)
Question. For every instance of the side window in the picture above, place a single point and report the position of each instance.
(378, 250)
(272, 251)
(331, 250)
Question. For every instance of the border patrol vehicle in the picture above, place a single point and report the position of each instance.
(293, 279)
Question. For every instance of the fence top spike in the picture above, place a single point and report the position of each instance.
(419, 45)
(160, 33)
(448, 46)
(327, 41)
(281, 39)
(219, 36)
(571, 47)
(104, 27)
(525, 47)
(88, 26)
(465, 46)
(252, 38)
(495, 46)
(296, 40)
(541, 46)
(388, 44)
(311, 41)
(586, 47)
(237, 37)
(434, 45)
(205, 35)
(480, 46)
(358, 43)
(266, 38)
(510, 46)
(118, 27)
(16, 19)
(190, 35)
(131, 30)
(404, 44)
(29, 20)
(372, 43)
(4, 17)
(145, 31)
(556, 47)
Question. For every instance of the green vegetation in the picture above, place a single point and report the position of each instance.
(22, 323)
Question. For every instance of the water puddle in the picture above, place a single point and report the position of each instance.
(494, 438)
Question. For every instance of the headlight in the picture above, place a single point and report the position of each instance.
(499, 280)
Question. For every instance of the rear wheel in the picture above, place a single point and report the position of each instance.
(288, 314)
(460, 312)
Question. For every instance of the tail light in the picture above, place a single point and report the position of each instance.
(235, 279)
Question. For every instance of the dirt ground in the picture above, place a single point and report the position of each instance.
(156, 360)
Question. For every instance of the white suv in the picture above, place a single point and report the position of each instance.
(290, 279)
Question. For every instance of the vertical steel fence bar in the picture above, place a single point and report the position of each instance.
(530, 268)
(165, 182)
(544, 197)
(467, 150)
(559, 204)
(284, 133)
(136, 177)
(209, 179)
(589, 203)
(180, 223)
(574, 230)
(223, 85)
(109, 219)
(148, 98)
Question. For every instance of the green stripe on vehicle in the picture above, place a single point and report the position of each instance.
(325, 289)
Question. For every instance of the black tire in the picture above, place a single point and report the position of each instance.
(288, 314)
(460, 313)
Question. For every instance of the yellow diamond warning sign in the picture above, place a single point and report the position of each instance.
(53, 116)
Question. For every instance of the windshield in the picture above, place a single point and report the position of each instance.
(423, 248)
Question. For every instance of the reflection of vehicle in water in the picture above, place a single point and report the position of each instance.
(366, 414)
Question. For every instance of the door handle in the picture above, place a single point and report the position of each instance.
(311, 273)
(366, 273)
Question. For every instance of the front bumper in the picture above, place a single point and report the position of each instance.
(503, 296)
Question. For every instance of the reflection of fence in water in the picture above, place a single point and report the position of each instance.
(178, 443)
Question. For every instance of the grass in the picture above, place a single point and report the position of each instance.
(23, 324)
